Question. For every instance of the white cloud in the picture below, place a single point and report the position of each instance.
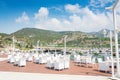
(23, 19)
(85, 21)
(50, 24)
(55, 21)
(42, 13)
(100, 3)
(72, 8)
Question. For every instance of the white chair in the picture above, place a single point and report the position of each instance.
(88, 60)
(103, 66)
(22, 62)
(50, 64)
(36, 60)
(26, 55)
(67, 57)
(77, 58)
(93, 62)
(9, 57)
(30, 58)
(59, 65)
(17, 58)
(12, 59)
(66, 64)
(83, 59)
(42, 60)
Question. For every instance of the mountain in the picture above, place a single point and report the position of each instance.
(34, 34)
(101, 33)
(46, 36)
(3, 36)
(30, 37)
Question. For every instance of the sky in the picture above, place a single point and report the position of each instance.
(57, 15)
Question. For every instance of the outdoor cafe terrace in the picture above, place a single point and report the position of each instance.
(74, 69)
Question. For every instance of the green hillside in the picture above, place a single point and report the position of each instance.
(3, 39)
(33, 34)
(28, 38)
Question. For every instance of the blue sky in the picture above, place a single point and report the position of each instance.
(57, 15)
